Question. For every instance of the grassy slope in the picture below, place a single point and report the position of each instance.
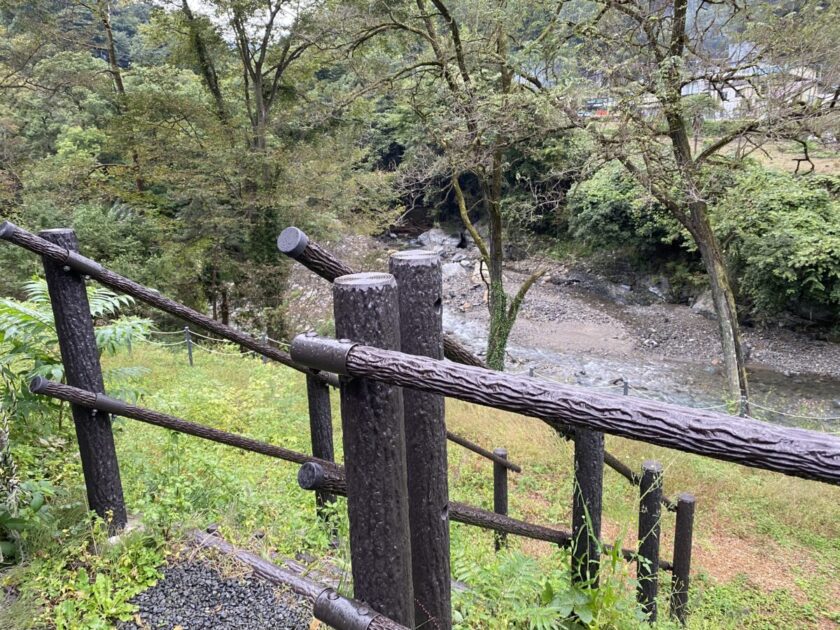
(767, 547)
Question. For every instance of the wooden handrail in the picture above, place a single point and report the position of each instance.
(791, 451)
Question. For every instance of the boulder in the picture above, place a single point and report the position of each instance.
(704, 305)
(452, 270)
(438, 238)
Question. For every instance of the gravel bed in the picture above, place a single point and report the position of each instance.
(195, 596)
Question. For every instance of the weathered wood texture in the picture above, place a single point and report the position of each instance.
(63, 257)
(418, 278)
(110, 405)
(367, 307)
(311, 478)
(320, 430)
(475, 448)
(80, 356)
(791, 451)
(650, 515)
(683, 535)
(622, 469)
(500, 494)
(296, 244)
(586, 506)
(328, 606)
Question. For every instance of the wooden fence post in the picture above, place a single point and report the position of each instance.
(650, 512)
(586, 506)
(188, 340)
(683, 534)
(367, 311)
(320, 431)
(418, 277)
(500, 494)
(80, 356)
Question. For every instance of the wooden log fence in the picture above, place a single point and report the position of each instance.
(294, 243)
(392, 385)
(647, 569)
(791, 451)
(85, 267)
(80, 356)
(500, 494)
(418, 278)
(312, 476)
(328, 605)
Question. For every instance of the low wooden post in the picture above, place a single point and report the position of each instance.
(188, 340)
(650, 512)
(683, 535)
(320, 432)
(367, 311)
(418, 277)
(79, 354)
(500, 494)
(625, 386)
(586, 506)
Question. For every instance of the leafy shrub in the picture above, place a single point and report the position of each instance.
(611, 210)
(782, 236)
(30, 347)
(513, 590)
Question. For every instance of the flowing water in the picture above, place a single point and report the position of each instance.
(803, 399)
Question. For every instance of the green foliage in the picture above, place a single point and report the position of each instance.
(30, 347)
(611, 210)
(88, 582)
(513, 590)
(782, 235)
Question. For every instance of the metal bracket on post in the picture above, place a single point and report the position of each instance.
(321, 353)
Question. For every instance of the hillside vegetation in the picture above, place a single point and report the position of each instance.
(766, 546)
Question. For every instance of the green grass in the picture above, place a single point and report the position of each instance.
(767, 546)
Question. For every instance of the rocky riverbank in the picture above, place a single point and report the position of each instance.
(578, 327)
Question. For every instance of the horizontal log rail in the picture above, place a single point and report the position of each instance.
(295, 244)
(327, 605)
(328, 476)
(313, 476)
(101, 402)
(72, 260)
(624, 470)
(475, 448)
(791, 451)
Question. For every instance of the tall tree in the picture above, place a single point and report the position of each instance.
(650, 59)
(455, 75)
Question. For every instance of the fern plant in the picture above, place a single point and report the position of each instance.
(29, 345)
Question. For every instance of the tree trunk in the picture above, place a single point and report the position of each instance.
(499, 322)
(119, 86)
(724, 300)
(205, 62)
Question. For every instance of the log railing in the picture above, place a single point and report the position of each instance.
(382, 386)
(790, 451)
